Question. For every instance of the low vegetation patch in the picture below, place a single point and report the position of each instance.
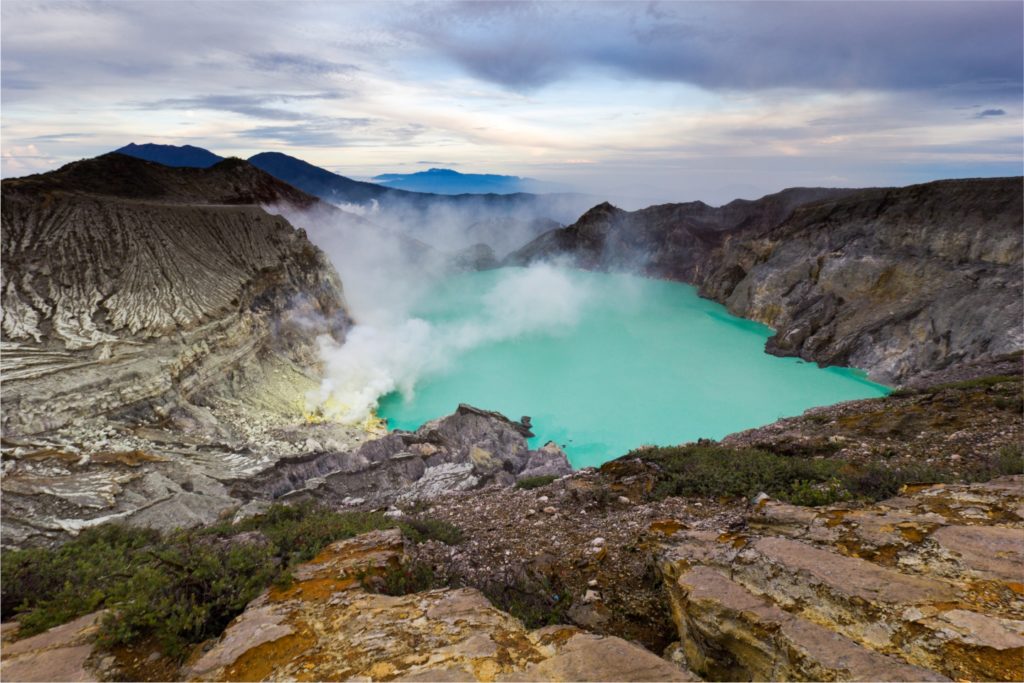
(719, 471)
(539, 602)
(419, 529)
(981, 383)
(183, 587)
(528, 483)
(406, 578)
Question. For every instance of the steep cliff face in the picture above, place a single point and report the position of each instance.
(899, 282)
(668, 240)
(151, 313)
(152, 290)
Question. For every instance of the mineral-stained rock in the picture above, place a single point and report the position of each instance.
(327, 626)
(927, 583)
(773, 644)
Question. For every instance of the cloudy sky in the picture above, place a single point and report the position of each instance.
(641, 102)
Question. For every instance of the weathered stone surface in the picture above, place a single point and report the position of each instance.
(589, 657)
(158, 323)
(469, 449)
(59, 654)
(736, 635)
(932, 577)
(991, 552)
(327, 626)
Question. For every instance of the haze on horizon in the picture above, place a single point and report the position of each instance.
(637, 102)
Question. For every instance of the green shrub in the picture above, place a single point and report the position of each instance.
(803, 492)
(1007, 460)
(182, 587)
(419, 529)
(543, 602)
(46, 587)
(527, 483)
(717, 471)
(1015, 404)
(299, 532)
(403, 579)
(876, 481)
(189, 592)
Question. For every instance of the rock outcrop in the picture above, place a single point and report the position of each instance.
(900, 282)
(158, 335)
(129, 286)
(328, 626)
(920, 587)
(469, 449)
(62, 653)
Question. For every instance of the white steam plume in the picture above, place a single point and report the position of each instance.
(386, 274)
(392, 355)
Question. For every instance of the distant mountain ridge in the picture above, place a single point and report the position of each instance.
(447, 221)
(179, 156)
(449, 181)
(317, 181)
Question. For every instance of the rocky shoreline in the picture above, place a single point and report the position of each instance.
(900, 282)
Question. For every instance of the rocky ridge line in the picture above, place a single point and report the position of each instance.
(901, 282)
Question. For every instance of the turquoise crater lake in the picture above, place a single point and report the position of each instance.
(643, 362)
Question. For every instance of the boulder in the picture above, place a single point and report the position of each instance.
(328, 626)
(924, 586)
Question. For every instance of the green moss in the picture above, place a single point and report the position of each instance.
(528, 483)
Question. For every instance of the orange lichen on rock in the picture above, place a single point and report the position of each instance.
(328, 626)
(919, 587)
(666, 527)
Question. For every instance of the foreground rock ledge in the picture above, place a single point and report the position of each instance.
(925, 586)
(327, 626)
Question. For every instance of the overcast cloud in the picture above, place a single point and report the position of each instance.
(639, 102)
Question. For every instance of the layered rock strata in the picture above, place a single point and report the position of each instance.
(158, 337)
(925, 586)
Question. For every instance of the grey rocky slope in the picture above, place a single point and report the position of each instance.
(159, 340)
(897, 281)
(152, 316)
(144, 295)
(469, 449)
